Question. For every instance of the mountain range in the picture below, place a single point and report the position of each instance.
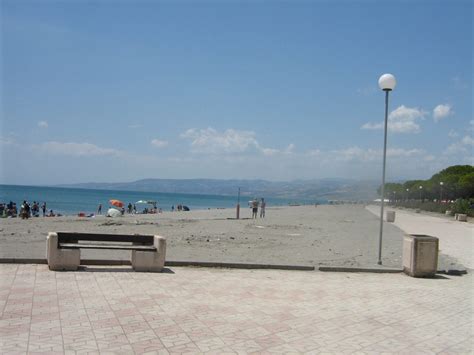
(307, 190)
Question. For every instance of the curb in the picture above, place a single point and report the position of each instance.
(360, 269)
(170, 263)
(239, 265)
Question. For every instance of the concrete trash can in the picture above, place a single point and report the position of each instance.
(390, 216)
(462, 217)
(420, 255)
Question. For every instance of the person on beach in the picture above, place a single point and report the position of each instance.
(25, 210)
(254, 208)
(262, 208)
(43, 207)
(35, 209)
(130, 207)
(134, 209)
(99, 209)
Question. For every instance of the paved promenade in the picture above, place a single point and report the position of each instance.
(456, 239)
(199, 310)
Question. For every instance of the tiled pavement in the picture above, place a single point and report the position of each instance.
(193, 310)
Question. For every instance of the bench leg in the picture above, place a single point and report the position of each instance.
(149, 260)
(61, 259)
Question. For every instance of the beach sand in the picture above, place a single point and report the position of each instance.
(343, 235)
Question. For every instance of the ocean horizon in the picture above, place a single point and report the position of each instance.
(71, 201)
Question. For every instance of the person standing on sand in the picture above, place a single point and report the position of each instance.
(254, 208)
(262, 208)
(99, 209)
(43, 207)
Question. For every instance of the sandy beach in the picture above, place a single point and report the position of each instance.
(343, 235)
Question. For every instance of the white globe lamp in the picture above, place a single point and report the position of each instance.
(387, 82)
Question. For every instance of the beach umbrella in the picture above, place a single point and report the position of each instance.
(112, 212)
(116, 203)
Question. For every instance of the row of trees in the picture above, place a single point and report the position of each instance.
(455, 182)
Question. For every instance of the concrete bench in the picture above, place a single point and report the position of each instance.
(63, 249)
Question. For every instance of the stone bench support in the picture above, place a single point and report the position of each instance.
(150, 261)
(61, 259)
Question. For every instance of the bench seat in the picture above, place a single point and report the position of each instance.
(106, 246)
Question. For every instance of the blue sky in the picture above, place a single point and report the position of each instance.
(121, 90)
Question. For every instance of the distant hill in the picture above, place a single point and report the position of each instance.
(307, 190)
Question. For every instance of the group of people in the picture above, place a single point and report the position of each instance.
(180, 207)
(132, 209)
(27, 210)
(254, 204)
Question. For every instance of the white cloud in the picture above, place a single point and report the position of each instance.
(453, 134)
(230, 141)
(211, 141)
(77, 149)
(463, 147)
(314, 152)
(270, 151)
(290, 148)
(7, 141)
(43, 124)
(467, 140)
(134, 126)
(401, 120)
(364, 155)
(370, 125)
(442, 111)
(159, 143)
(471, 126)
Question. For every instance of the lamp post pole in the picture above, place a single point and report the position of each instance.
(441, 192)
(383, 177)
(387, 83)
(408, 190)
(421, 189)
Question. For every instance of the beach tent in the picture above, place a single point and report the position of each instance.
(112, 212)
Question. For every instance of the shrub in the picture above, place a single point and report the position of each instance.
(463, 206)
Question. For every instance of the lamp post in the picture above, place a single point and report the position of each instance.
(441, 191)
(421, 189)
(387, 83)
(408, 193)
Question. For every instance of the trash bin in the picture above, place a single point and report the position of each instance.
(420, 255)
(462, 217)
(390, 216)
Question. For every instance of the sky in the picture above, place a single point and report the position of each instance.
(114, 91)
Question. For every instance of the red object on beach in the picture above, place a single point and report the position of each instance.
(116, 203)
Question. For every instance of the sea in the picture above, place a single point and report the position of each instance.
(71, 201)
